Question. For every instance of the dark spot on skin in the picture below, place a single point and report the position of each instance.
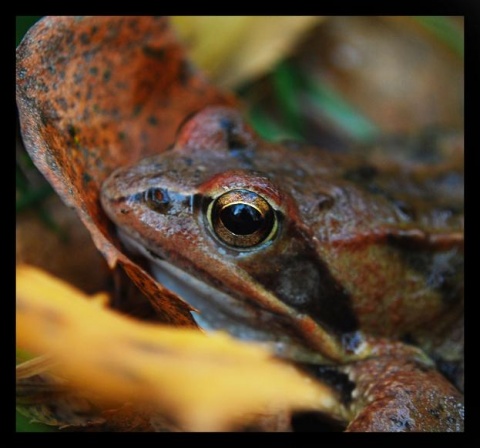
(62, 103)
(365, 177)
(156, 53)
(89, 94)
(93, 71)
(401, 422)
(84, 38)
(62, 60)
(337, 380)
(133, 24)
(42, 87)
(152, 120)
(88, 55)
(161, 23)
(137, 109)
(121, 135)
(78, 77)
(86, 178)
(68, 37)
(435, 412)
(451, 420)
(226, 125)
(72, 131)
(107, 74)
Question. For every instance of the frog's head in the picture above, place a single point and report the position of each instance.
(229, 239)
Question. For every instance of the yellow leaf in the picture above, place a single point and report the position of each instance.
(206, 382)
(235, 49)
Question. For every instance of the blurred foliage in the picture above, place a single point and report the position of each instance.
(343, 81)
(22, 24)
(249, 46)
(445, 29)
(162, 366)
(24, 424)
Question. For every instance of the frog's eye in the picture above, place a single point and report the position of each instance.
(242, 218)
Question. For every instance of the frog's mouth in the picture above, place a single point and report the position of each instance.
(217, 310)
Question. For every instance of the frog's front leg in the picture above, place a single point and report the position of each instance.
(398, 394)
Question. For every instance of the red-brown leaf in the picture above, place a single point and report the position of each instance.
(96, 93)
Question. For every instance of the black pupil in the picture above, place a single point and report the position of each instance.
(241, 219)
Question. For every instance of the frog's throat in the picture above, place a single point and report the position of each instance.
(209, 317)
(219, 310)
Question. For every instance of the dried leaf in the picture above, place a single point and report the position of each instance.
(204, 382)
(35, 366)
(249, 46)
(96, 93)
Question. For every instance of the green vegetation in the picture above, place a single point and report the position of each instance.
(22, 24)
(446, 30)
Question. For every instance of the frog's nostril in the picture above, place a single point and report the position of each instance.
(157, 199)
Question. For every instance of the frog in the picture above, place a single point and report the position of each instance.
(347, 264)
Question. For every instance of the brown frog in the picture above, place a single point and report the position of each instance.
(351, 266)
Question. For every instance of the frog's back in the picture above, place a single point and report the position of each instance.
(391, 232)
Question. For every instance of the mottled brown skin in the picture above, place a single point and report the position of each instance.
(400, 395)
(365, 256)
(96, 93)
